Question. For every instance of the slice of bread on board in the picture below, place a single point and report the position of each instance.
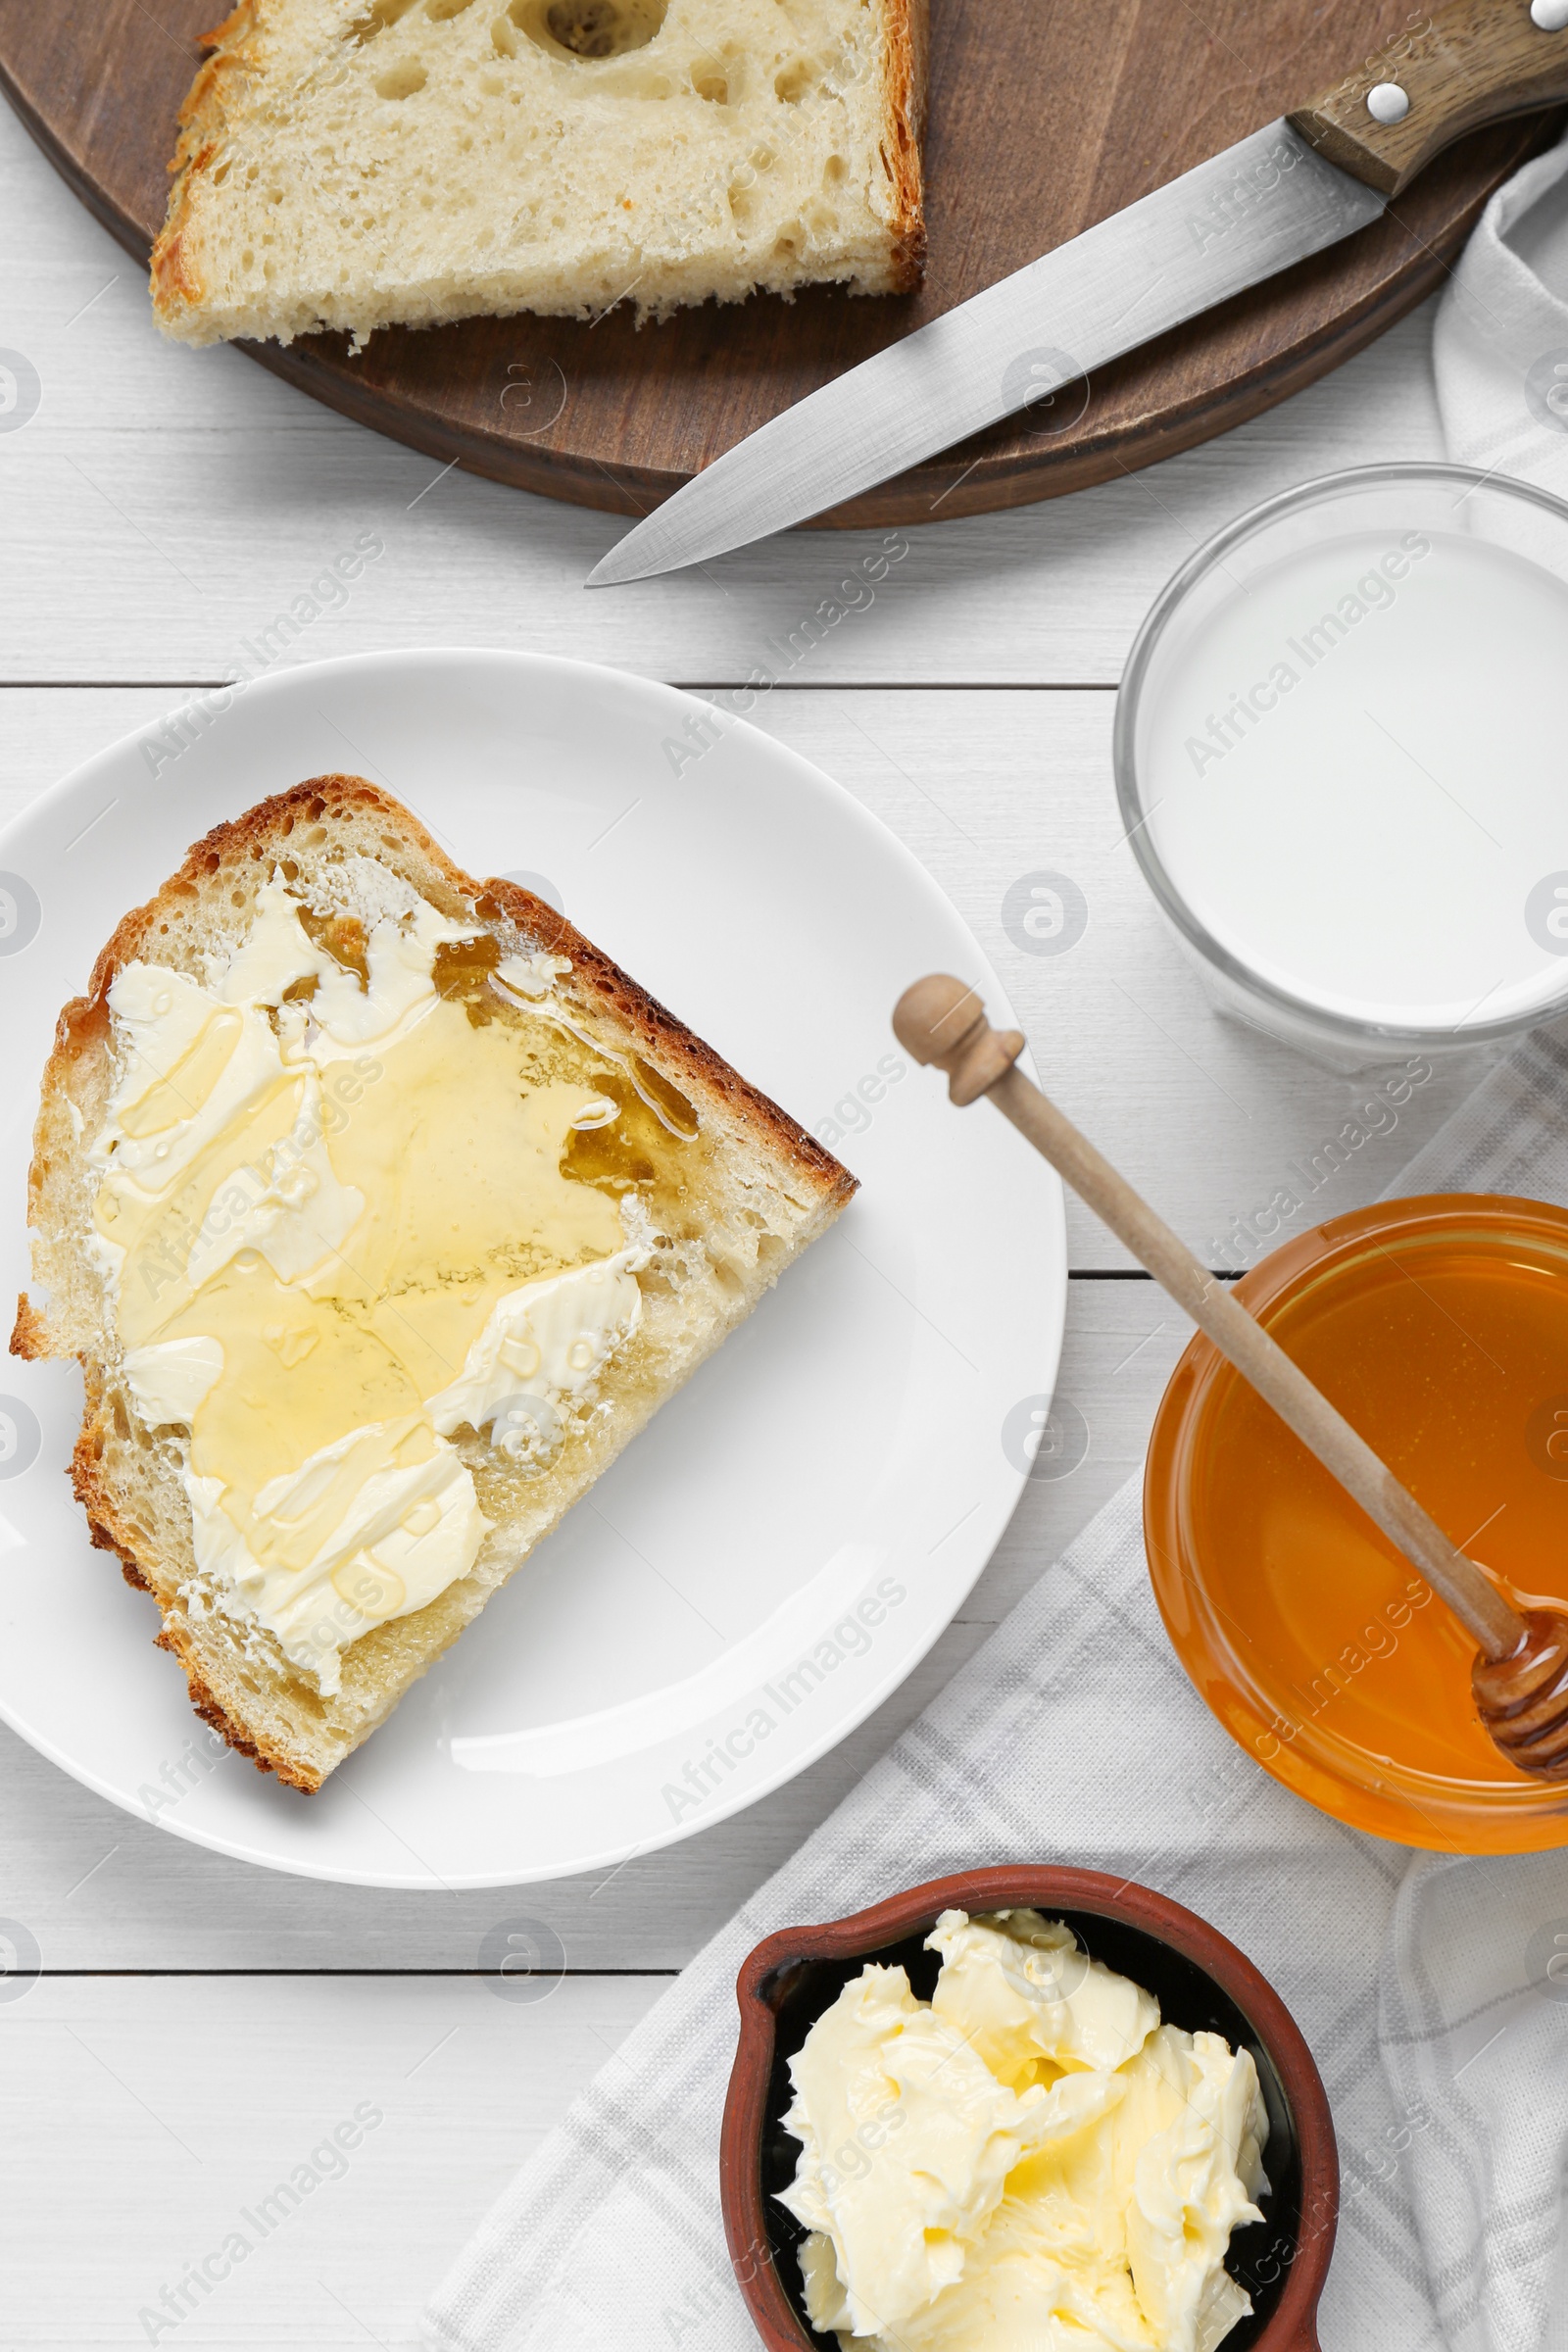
(355, 164)
(722, 1219)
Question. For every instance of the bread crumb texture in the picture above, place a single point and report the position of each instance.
(724, 1215)
(355, 164)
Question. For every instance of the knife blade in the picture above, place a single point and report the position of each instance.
(1263, 203)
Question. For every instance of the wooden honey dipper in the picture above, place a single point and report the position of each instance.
(1520, 1679)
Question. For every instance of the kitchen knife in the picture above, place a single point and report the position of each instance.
(1318, 174)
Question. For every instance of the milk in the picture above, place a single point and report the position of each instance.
(1356, 768)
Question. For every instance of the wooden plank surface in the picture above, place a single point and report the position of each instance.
(149, 2121)
(163, 506)
(1044, 121)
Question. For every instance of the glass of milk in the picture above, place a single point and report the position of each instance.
(1342, 756)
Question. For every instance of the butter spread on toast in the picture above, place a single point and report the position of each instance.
(335, 1215)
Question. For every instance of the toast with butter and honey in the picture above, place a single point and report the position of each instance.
(357, 164)
(380, 1210)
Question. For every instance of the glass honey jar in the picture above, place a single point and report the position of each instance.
(1439, 1327)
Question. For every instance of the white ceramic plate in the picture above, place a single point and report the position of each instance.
(769, 1559)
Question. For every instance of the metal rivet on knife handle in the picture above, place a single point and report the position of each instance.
(1471, 61)
(1387, 103)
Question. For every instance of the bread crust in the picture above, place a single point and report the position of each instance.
(624, 1014)
(233, 47)
(909, 43)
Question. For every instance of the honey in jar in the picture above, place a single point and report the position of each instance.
(1439, 1327)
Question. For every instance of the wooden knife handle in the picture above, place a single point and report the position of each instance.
(1451, 69)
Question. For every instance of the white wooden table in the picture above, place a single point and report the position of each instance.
(201, 2027)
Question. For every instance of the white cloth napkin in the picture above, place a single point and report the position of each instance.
(1501, 343)
(1434, 1992)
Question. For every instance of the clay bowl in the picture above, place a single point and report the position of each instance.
(1201, 1982)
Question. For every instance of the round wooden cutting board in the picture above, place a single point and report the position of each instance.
(1046, 116)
